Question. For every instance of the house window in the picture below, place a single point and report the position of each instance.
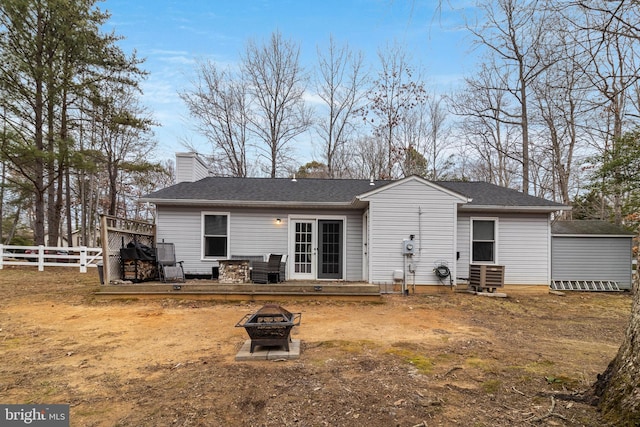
(216, 235)
(483, 240)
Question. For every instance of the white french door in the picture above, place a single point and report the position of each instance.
(304, 245)
(317, 246)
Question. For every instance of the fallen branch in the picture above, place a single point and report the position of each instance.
(549, 413)
(518, 391)
(455, 368)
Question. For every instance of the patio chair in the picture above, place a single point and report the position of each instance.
(264, 271)
(169, 269)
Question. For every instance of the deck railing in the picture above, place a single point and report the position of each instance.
(50, 256)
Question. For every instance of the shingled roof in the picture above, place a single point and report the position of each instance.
(589, 228)
(324, 192)
(486, 194)
(266, 190)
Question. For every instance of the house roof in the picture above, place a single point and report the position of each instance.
(328, 193)
(264, 191)
(491, 196)
(588, 228)
(391, 184)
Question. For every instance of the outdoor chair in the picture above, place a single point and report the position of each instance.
(169, 269)
(265, 271)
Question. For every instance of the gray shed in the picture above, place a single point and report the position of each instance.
(590, 255)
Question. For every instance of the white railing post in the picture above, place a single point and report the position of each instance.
(40, 258)
(1, 255)
(83, 259)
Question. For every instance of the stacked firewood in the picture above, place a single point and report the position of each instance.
(138, 270)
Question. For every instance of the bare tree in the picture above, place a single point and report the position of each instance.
(339, 85)
(563, 113)
(423, 133)
(395, 93)
(124, 139)
(605, 33)
(218, 102)
(276, 82)
(368, 158)
(515, 35)
(487, 126)
(609, 32)
(438, 159)
(412, 136)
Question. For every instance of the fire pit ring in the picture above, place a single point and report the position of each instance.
(270, 326)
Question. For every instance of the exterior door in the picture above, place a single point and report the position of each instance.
(303, 236)
(365, 246)
(330, 249)
(316, 246)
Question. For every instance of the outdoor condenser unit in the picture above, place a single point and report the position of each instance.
(482, 276)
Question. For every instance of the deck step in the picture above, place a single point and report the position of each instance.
(585, 285)
(214, 290)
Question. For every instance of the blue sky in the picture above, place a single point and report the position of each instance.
(172, 35)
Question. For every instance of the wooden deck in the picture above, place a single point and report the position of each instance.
(212, 290)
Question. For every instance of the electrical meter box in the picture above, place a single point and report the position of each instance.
(408, 247)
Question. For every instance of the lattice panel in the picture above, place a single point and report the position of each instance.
(117, 233)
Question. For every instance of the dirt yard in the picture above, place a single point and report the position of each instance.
(451, 359)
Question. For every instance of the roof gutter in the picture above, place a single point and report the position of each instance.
(630, 236)
(514, 208)
(245, 203)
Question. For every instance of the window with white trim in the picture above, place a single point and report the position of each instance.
(483, 241)
(215, 242)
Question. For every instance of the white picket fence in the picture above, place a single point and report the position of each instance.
(50, 256)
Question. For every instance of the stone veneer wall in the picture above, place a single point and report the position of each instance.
(233, 271)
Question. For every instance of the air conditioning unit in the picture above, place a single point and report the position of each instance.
(487, 277)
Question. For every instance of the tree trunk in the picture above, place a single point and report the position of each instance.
(525, 129)
(38, 179)
(618, 388)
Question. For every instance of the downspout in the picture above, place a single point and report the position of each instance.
(419, 245)
(420, 229)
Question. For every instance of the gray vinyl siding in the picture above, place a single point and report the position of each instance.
(592, 258)
(183, 228)
(522, 246)
(395, 214)
(463, 246)
(251, 232)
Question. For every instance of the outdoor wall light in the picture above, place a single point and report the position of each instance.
(278, 221)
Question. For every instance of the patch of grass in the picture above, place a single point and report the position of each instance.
(43, 390)
(537, 368)
(561, 381)
(491, 386)
(482, 364)
(445, 357)
(545, 369)
(423, 364)
(11, 343)
(92, 410)
(348, 346)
